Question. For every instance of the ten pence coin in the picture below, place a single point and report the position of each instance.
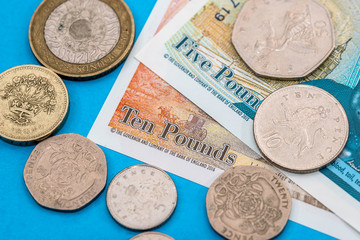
(141, 197)
(151, 236)
(33, 103)
(283, 38)
(77, 38)
(65, 172)
(301, 128)
(248, 202)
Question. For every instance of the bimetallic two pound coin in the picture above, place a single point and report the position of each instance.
(283, 38)
(141, 197)
(301, 128)
(248, 202)
(151, 236)
(77, 38)
(65, 172)
(33, 103)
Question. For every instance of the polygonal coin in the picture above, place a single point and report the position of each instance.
(65, 172)
(283, 38)
(248, 202)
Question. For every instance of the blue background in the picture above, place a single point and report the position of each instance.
(22, 218)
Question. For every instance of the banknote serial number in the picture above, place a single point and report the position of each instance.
(221, 15)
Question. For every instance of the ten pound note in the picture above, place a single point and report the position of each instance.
(195, 55)
(147, 119)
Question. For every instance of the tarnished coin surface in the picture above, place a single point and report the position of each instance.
(33, 103)
(283, 38)
(248, 202)
(301, 128)
(77, 38)
(151, 236)
(65, 172)
(141, 197)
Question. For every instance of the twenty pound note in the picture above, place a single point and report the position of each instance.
(145, 118)
(194, 54)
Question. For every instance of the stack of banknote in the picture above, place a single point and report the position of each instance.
(189, 106)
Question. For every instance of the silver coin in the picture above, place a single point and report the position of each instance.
(301, 128)
(82, 32)
(283, 38)
(248, 202)
(141, 197)
(151, 236)
(65, 172)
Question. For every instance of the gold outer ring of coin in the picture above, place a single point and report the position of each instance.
(34, 102)
(245, 196)
(303, 120)
(93, 69)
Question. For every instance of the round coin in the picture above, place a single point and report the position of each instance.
(33, 103)
(77, 38)
(141, 197)
(151, 236)
(65, 172)
(248, 202)
(283, 38)
(301, 128)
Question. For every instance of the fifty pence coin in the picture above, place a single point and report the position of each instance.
(248, 202)
(33, 103)
(301, 128)
(77, 38)
(65, 172)
(141, 197)
(151, 236)
(283, 38)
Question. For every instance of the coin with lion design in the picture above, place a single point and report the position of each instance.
(65, 172)
(248, 202)
(301, 128)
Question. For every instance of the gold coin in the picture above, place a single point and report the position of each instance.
(78, 38)
(33, 103)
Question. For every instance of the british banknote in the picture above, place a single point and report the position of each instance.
(144, 117)
(194, 54)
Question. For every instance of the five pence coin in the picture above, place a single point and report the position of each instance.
(141, 197)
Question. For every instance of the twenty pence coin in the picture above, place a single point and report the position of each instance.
(65, 172)
(283, 38)
(151, 236)
(141, 197)
(248, 202)
(301, 128)
(33, 103)
(77, 38)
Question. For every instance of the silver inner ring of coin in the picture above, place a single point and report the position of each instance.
(82, 32)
